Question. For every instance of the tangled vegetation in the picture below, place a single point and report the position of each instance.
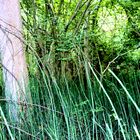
(83, 60)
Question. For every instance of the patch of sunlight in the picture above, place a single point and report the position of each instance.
(112, 19)
(111, 26)
(107, 23)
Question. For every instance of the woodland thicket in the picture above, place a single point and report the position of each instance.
(83, 61)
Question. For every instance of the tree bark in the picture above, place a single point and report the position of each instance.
(13, 58)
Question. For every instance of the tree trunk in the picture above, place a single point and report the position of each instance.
(12, 58)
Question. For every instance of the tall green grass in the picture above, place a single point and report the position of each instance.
(87, 109)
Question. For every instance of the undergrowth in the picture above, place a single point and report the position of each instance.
(79, 109)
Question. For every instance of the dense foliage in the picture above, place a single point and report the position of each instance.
(104, 31)
(75, 49)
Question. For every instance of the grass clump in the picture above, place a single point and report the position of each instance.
(80, 109)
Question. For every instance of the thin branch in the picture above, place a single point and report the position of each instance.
(83, 15)
(78, 7)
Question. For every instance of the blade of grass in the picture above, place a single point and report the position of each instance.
(126, 91)
(137, 132)
(111, 103)
(6, 123)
